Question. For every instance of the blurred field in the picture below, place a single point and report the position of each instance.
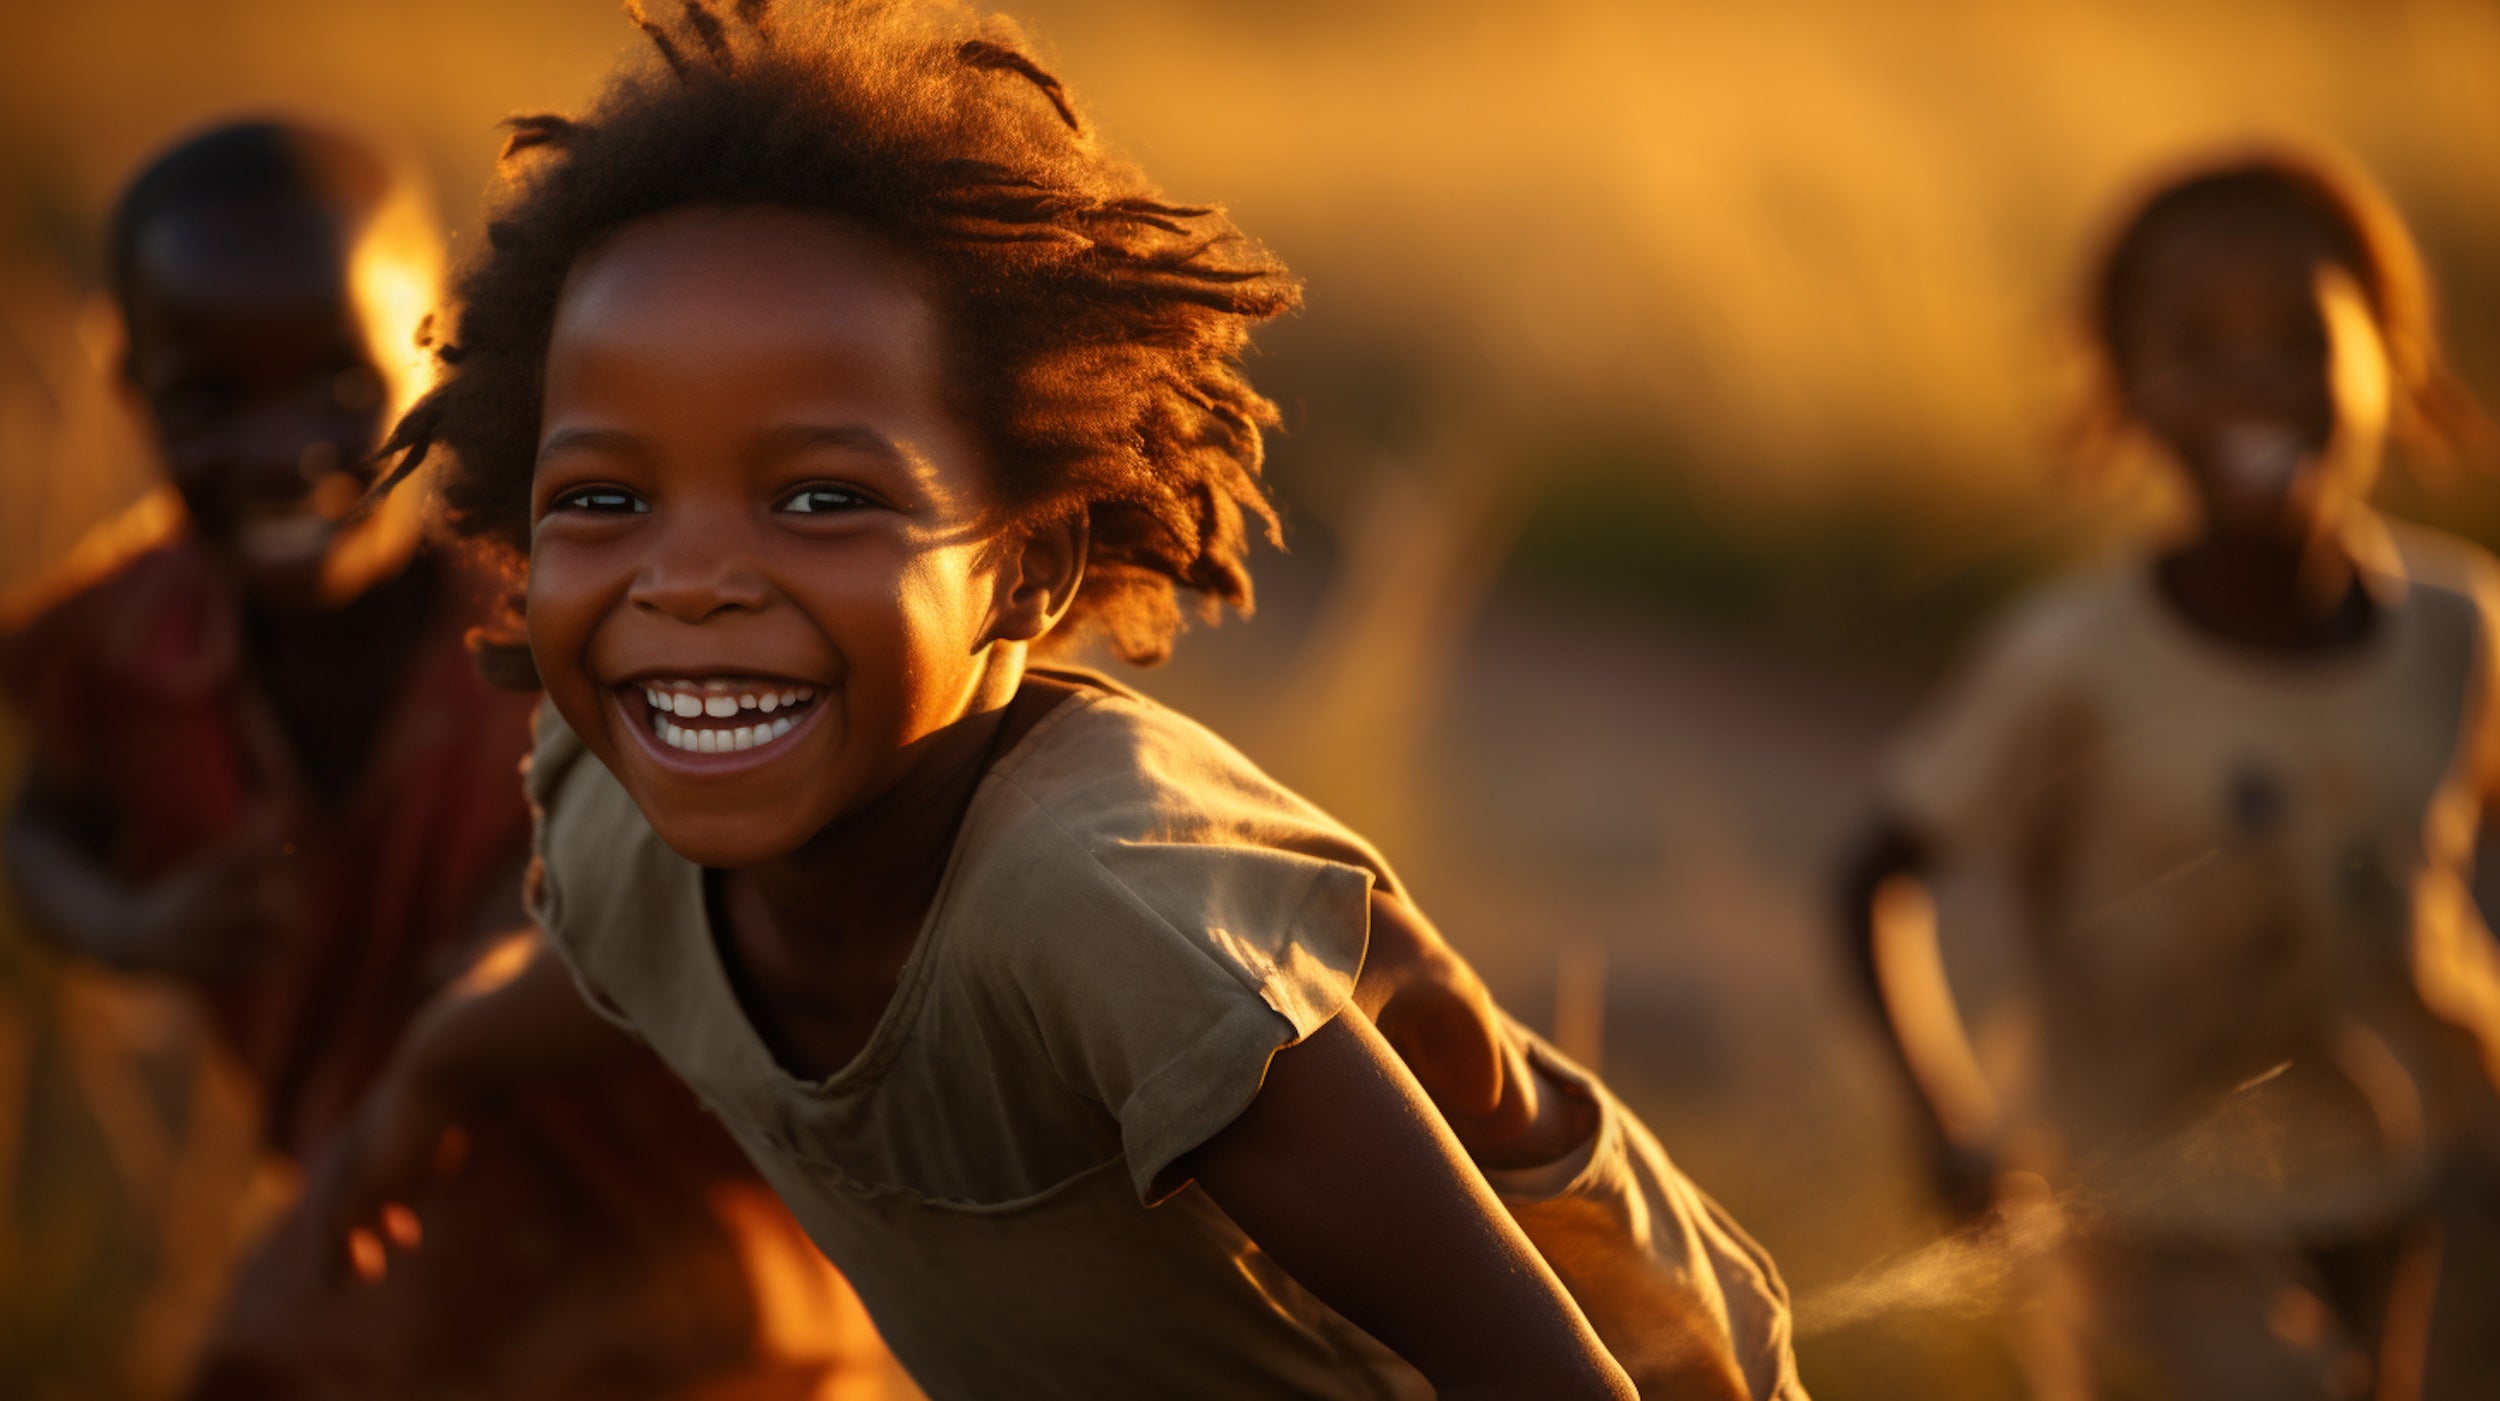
(1678, 382)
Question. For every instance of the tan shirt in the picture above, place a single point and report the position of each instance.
(1132, 921)
(2246, 880)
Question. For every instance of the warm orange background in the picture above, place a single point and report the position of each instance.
(1678, 381)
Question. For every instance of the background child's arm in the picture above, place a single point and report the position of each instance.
(1871, 888)
(1341, 1170)
(221, 912)
(516, 1016)
(2443, 1001)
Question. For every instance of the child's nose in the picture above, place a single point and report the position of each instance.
(690, 582)
(259, 457)
(2270, 371)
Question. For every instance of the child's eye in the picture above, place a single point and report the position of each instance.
(354, 389)
(195, 405)
(601, 500)
(820, 497)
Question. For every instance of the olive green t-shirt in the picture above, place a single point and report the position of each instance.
(1133, 920)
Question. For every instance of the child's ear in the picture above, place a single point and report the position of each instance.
(1040, 579)
(104, 339)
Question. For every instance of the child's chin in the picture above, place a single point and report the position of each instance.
(722, 846)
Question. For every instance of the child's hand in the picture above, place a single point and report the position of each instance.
(222, 913)
(402, 1140)
(1964, 1177)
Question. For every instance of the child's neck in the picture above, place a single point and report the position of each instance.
(2284, 593)
(331, 674)
(815, 941)
(879, 866)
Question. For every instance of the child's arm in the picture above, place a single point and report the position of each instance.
(1964, 1168)
(222, 912)
(2444, 1003)
(1341, 1170)
(515, 1017)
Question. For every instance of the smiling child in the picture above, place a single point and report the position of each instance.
(266, 765)
(820, 380)
(2235, 778)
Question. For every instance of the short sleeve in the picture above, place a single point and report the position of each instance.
(41, 678)
(1976, 765)
(94, 655)
(2446, 565)
(558, 762)
(1161, 976)
(55, 673)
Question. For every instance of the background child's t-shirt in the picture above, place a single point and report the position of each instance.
(2242, 875)
(1133, 920)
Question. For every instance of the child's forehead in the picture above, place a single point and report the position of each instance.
(241, 255)
(2227, 265)
(768, 326)
(749, 251)
(749, 296)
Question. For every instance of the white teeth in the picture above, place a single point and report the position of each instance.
(2263, 458)
(712, 700)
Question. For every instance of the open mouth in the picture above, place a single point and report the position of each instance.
(294, 527)
(2260, 458)
(278, 540)
(723, 714)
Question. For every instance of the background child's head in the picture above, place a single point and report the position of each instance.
(1091, 329)
(2267, 320)
(271, 276)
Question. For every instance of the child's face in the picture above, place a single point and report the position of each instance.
(252, 352)
(2258, 364)
(752, 502)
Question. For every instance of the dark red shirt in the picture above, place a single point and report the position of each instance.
(137, 700)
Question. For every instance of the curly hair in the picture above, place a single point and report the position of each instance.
(2352, 226)
(1093, 329)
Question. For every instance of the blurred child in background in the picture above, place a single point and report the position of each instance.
(265, 764)
(2235, 779)
(818, 379)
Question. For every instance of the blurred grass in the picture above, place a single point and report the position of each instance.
(1678, 384)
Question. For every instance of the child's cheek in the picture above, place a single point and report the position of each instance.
(943, 612)
(557, 619)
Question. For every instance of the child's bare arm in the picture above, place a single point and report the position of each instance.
(220, 913)
(1342, 1171)
(2442, 1001)
(515, 1017)
(1964, 1171)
